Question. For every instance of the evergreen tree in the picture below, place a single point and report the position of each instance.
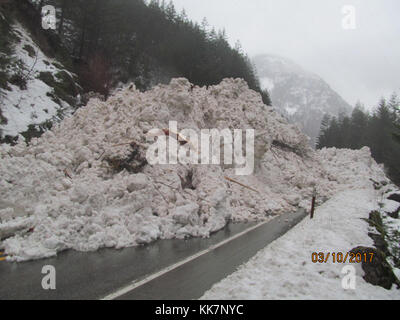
(380, 128)
(358, 128)
(380, 132)
(322, 140)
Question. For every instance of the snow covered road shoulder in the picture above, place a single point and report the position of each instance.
(284, 269)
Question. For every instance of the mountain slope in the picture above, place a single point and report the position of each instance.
(130, 41)
(36, 89)
(301, 96)
(117, 43)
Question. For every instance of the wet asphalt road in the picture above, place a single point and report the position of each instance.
(99, 274)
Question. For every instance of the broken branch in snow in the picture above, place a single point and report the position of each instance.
(133, 163)
(157, 189)
(273, 153)
(284, 146)
(178, 137)
(66, 173)
(134, 142)
(314, 196)
(33, 66)
(101, 155)
(241, 184)
(165, 184)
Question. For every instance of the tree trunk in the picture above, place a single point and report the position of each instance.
(61, 25)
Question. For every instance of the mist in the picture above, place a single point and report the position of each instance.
(360, 64)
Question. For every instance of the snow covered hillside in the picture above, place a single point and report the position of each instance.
(299, 95)
(38, 90)
(86, 184)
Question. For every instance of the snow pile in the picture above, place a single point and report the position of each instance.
(350, 169)
(284, 270)
(74, 193)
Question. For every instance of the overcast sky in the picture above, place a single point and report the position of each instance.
(360, 64)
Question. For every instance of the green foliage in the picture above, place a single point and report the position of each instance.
(16, 73)
(5, 50)
(47, 78)
(387, 237)
(394, 106)
(266, 97)
(64, 86)
(31, 51)
(35, 131)
(375, 220)
(2, 119)
(19, 80)
(378, 131)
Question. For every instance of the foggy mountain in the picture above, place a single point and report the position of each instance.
(299, 95)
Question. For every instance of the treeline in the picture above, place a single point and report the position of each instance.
(113, 41)
(379, 130)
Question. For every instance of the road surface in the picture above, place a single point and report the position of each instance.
(165, 269)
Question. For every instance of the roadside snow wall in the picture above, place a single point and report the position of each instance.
(85, 184)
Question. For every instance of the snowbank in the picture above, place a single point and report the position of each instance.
(284, 269)
(71, 186)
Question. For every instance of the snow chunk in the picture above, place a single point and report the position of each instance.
(187, 214)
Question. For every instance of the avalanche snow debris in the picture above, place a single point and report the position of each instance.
(91, 207)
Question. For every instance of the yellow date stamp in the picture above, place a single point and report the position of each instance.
(340, 257)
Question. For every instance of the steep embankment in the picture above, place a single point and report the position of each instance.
(86, 184)
(36, 90)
